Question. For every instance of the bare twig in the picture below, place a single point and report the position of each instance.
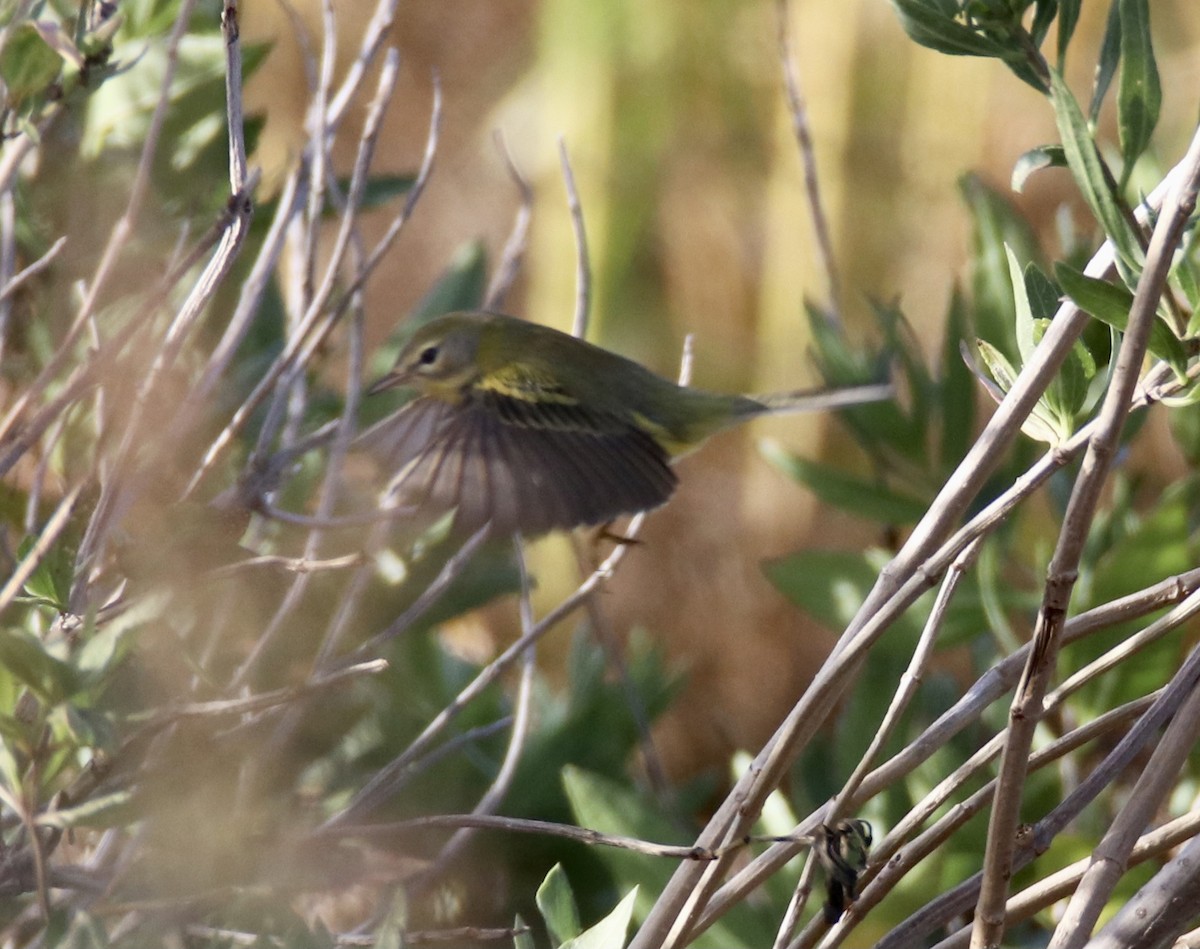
(491, 800)
(808, 157)
(523, 826)
(518, 238)
(122, 230)
(583, 266)
(1129, 927)
(1111, 855)
(304, 340)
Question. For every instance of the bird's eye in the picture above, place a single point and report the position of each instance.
(428, 356)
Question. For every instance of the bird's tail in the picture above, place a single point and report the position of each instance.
(816, 400)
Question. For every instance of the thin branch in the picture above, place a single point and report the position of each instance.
(522, 826)
(518, 238)
(583, 265)
(122, 230)
(494, 796)
(1139, 914)
(31, 271)
(378, 789)
(992, 685)
(1111, 856)
(304, 341)
(960, 899)
(808, 158)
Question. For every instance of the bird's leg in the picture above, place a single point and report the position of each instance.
(605, 532)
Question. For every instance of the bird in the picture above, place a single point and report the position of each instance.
(521, 428)
(843, 850)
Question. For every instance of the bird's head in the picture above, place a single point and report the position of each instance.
(441, 359)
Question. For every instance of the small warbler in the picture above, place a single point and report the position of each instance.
(843, 850)
(534, 430)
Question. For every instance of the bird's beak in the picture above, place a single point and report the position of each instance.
(390, 381)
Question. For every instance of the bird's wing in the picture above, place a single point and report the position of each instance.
(526, 462)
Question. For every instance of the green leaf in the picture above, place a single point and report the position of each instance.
(931, 25)
(957, 387)
(1044, 297)
(1139, 95)
(1041, 424)
(108, 810)
(829, 585)
(556, 903)
(105, 647)
(1023, 315)
(1110, 303)
(612, 808)
(50, 582)
(25, 658)
(524, 937)
(27, 63)
(377, 192)
(1091, 174)
(997, 225)
(1044, 14)
(1044, 156)
(1110, 58)
(610, 932)
(861, 497)
(1068, 16)
(1068, 392)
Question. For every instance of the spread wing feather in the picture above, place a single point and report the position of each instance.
(532, 466)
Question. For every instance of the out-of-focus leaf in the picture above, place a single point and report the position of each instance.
(50, 582)
(105, 647)
(1110, 303)
(1162, 544)
(27, 63)
(58, 40)
(1090, 173)
(958, 391)
(1188, 281)
(26, 658)
(828, 585)
(1110, 58)
(863, 498)
(880, 427)
(1139, 95)
(556, 903)
(108, 810)
(1044, 156)
(610, 932)
(997, 225)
